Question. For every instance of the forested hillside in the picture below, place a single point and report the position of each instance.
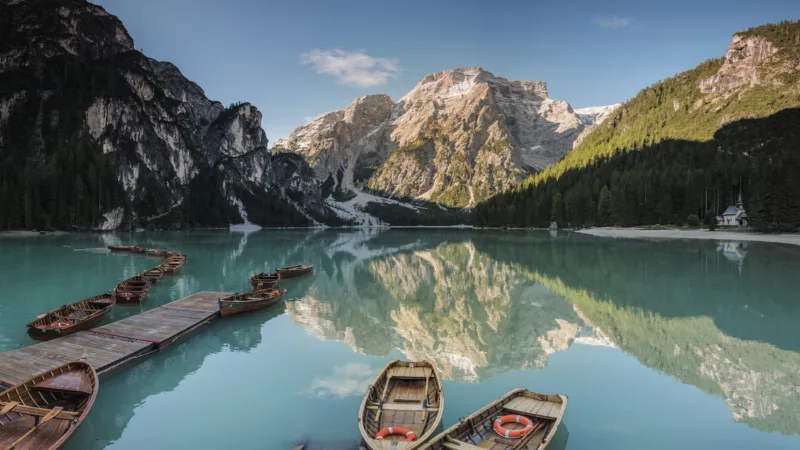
(658, 159)
(666, 182)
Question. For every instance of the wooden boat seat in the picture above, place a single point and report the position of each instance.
(39, 412)
(102, 302)
(458, 445)
(72, 382)
(402, 407)
(80, 314)
(533, 408)
(409, 372)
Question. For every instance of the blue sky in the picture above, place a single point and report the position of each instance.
(298, 59)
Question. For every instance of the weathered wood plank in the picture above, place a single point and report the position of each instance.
(111, 345)
(206, 301)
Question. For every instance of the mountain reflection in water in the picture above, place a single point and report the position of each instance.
(479, 306)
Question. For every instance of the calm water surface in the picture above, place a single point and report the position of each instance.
(659, 345)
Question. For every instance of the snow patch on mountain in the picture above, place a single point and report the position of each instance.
(592, 117)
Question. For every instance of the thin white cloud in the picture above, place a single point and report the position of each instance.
(351, 67)
(612, 22)
(351, 379)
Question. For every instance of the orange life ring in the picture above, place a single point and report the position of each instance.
(410, 435)
(512, 434)
(59, 324)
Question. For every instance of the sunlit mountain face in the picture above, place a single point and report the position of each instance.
(451, 304)
(483, 306)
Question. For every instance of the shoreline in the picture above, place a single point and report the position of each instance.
(31, 233)
(637, 233)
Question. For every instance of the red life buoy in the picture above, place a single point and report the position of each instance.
(410, 435)
(512, 434)
(59, 324)
(126, 294)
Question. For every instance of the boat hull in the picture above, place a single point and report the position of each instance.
(131, 291)
(72, 387)
(45, 334)
(291, 273)
(172, 266)
(264, 281)
(153, 275)
(543, 411)
(233, 307)
(127, 298)
(77, 316)
(407, 395)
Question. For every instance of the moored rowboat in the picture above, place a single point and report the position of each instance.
(171, 265)
(152, 275)
(131, 291)
(402, 407)
(156, 252)
(294, 271)
(264, 280)
(126, 248)
(520, 419)
(249, 301)
(68, 319)
(46, 410)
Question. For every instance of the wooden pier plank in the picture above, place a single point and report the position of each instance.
(165, 322)
(112, 345)
(206, 301)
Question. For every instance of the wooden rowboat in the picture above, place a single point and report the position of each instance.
(294, 271)
(176, 255)
(156, 252)
(131, 291)
(264, 280)
(249, 301)
(406, 396)
(46, 410)
(153, 275)
(68, 319)
(540, 415)
(171, 265)
(126, 248)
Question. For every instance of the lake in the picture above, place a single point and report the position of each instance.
(658, 344)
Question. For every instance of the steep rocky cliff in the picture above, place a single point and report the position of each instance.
(758, 76)
(96, 135)
(458, 137)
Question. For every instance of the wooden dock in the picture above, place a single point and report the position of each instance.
(111, 346)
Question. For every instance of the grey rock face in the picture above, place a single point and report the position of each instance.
(333, 143)
(741, 66)
(180, 158)
(458, 137)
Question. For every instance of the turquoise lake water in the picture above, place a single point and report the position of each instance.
(658, 344)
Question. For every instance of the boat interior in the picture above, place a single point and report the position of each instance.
(477, 431)
(75, 313)
(36, 416)
(405, 397)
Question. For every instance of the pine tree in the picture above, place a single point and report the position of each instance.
(604, 207)
(557, 211)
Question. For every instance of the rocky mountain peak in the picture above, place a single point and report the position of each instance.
(454, 83)
(456, 138)
(75, 27)
(154, 150)
(741, 65)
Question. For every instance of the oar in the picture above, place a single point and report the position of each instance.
(528, 435)
(7, 409)
(47, 418)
